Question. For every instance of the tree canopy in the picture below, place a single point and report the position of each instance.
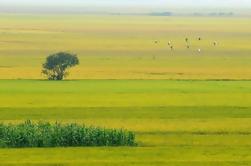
(56, 65)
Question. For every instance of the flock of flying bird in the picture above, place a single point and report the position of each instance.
(215, 43)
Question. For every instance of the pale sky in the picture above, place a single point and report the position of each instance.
(140, 3)
(122, 6)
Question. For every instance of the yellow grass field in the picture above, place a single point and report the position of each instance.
(122, 47)
(186, 108)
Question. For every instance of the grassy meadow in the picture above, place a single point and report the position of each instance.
(185, 107)
(176, 122)
(122, 47)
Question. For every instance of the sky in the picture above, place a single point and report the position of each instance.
(123, 3)
(121, 6)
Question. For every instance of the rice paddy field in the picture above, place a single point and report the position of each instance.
(185, 107)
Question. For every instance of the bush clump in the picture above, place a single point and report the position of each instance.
(43, 134)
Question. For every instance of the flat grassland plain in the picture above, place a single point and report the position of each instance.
(186, 108)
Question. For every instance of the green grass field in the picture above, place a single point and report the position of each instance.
(176, 122)
(186, 108)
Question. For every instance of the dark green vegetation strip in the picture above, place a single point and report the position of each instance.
(157, 112)
(42, 134)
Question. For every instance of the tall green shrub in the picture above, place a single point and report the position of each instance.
(43, 134)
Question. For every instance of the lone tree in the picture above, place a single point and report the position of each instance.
(56, 65)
